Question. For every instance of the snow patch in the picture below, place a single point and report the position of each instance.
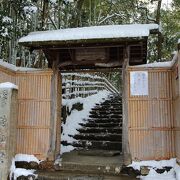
(26, 158)
(23, 172)
(65, 149)
(154, 164)
(160, 64)
(173, 174)
(153, 175)
(14, 68)
(76, 117)
(6, 19)
(30, 9)
(177, 171)
(8, 85)
(93, 32)
(53, 1)
(16, 172)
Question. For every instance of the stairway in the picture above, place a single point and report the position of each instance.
(98, 146)
(103, 129)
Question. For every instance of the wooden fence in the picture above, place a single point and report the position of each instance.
(176, 104)
(33, 126)
(84, 84)
(150, 119)
(153, 119)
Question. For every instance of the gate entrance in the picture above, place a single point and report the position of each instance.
(97, 106)
(105, 48)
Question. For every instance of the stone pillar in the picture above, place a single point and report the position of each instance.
(8, 122)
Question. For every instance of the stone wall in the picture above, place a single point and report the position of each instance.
(8, 122)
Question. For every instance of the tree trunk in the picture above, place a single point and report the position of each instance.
(160, 38)
(76, 17)
(45, 13)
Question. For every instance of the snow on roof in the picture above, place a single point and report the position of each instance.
(93, 32)
(15, 68)
(160, 64)
(8, 85)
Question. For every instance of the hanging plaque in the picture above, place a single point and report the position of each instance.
(139, 83)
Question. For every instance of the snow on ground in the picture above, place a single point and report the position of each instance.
(8, 85)
(93, 32)
(153, 175)
(76, 117)
(177, 170)
(173, 174)
(16, 172)
(153, 164)
(23, 172)
(65, 149)
(69, 102)
(26, 158)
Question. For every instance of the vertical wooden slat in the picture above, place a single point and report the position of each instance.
(150, 117)
(33, 124)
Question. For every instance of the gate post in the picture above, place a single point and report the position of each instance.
(8, 123)
(55, 121)
(125, 143)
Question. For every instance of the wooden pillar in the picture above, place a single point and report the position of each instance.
(55, 124)
(125, 140)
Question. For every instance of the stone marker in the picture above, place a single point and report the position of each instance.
(8, 122)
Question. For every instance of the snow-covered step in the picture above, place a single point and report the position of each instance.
(101, 130)
(108, 112)
(100, 108)
(102, 120)
(109, 124)
(104, 145)
(109, 104)
(106, 116)
(98, 137)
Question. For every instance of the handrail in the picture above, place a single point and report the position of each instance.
(82, 85)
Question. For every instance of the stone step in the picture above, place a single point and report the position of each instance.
(108, 112)
(97, 165)
(103, 120)
(98, 137)
(109, 124)
(106, 116)
(101, 130)
(101, 145)
(113, 100)
(67, 176)
(108, 104)
(100, 153)
(106, 107)
(98, 108)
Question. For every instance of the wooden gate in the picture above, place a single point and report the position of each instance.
(150, 119)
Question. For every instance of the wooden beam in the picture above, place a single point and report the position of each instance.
(92, 70)
(126, 149)
(55, 133)
(81, 43)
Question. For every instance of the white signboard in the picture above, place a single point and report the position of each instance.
(139, 83)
